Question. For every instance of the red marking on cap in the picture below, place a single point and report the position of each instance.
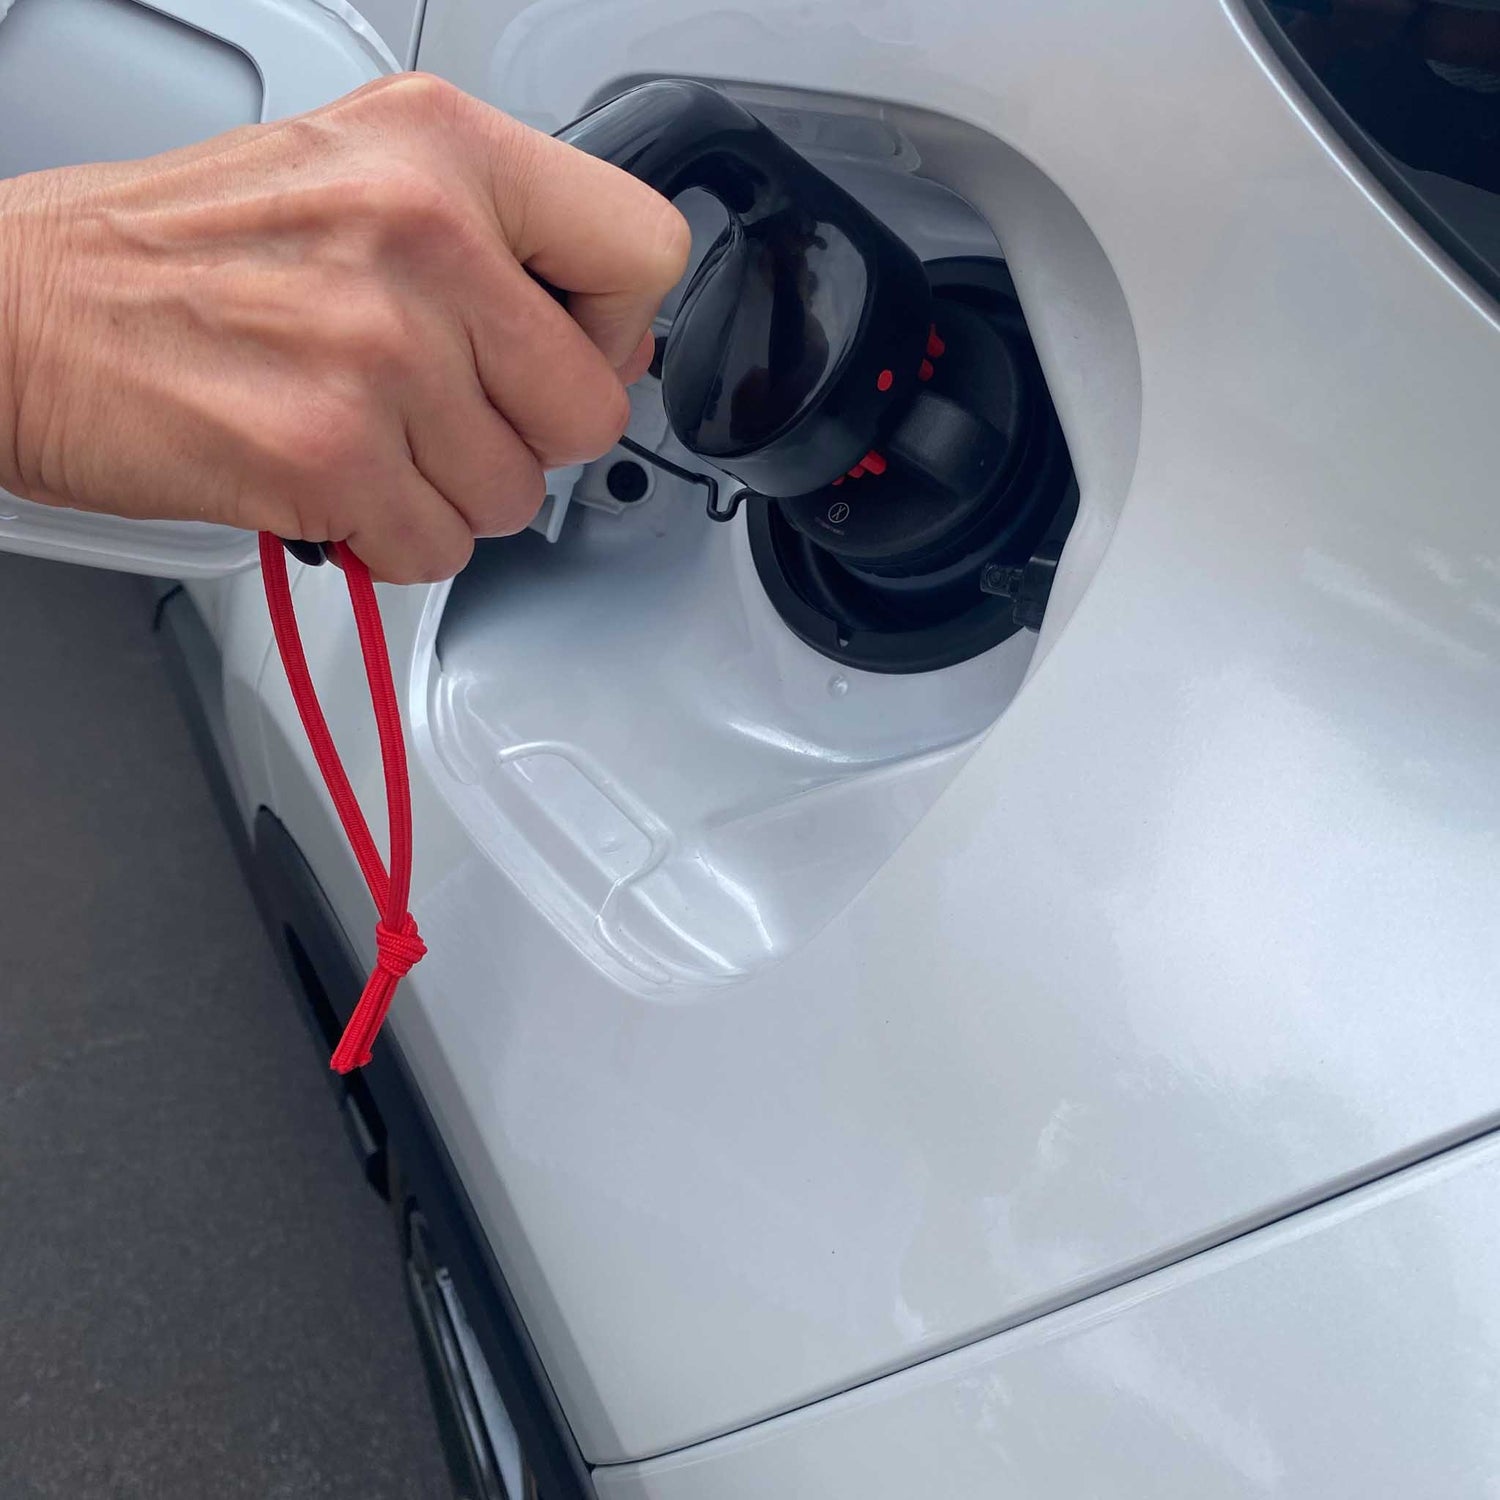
(935, 345)
(925, 372)
(884, 381)
(857, 472)
(873, 462)
(839, 480)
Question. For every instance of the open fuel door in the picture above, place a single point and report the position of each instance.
(95, 80)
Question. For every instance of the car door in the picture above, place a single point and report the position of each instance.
(94, 80)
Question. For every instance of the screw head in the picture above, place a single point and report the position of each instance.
(996, 578)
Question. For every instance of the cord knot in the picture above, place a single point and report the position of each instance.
(398, 944)
(398, 948)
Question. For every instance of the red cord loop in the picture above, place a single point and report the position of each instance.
(398, 944)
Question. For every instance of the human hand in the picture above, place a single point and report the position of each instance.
(329, 327)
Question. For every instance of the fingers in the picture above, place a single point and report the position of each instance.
(469, 453)
(612, 242)
(408, 533)
(556, 388)
(613, 321)
(640, 361)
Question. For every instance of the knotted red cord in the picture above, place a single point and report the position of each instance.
(398, 945)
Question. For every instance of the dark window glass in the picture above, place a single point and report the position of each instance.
(1415, 87)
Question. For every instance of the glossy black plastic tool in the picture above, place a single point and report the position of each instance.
(803, 329)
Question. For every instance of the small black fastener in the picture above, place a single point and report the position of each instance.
(1027, 587)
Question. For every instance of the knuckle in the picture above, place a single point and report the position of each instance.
(510, 496)
(446, 560)
(401, 550)
(422, 96)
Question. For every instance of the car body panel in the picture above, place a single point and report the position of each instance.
(1197, 935)
(1200, 931)
(1349, 1351)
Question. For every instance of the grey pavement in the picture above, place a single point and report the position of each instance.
(198, 1295)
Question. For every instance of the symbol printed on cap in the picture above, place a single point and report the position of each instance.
(838, 514)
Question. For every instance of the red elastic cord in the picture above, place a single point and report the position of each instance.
(397, 943)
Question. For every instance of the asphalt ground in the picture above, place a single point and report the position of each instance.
(199, 1297)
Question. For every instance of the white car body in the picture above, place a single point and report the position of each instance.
(1067, 1073)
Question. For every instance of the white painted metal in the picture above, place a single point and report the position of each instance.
(713, 836)
(161, 83)
(399, 23)
(97, 79)
(1201, 930)
(1349, 1352)
(1059, 984)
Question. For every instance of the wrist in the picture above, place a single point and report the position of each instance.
(14, 215)
(27, 248)
(10, 302)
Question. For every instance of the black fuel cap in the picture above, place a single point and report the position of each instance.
(942, 473)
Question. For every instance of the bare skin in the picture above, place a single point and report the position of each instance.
(329, 327)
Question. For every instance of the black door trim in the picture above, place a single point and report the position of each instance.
(295, 902)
